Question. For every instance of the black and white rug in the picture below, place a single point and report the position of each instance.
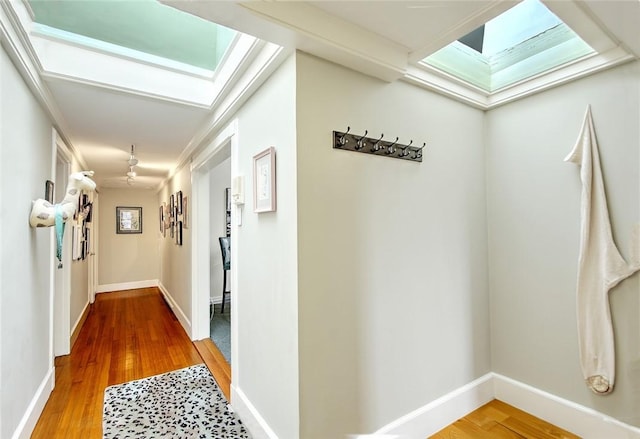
(185, 403)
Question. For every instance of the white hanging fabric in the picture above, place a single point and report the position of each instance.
(600, 266)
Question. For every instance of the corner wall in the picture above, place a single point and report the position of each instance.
(393, 291)
(534, 226)
(265, 374)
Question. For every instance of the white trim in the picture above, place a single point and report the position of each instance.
(107, 288)
(430, 78)
(433, 417)
(438, 414)
(250, 416)
(177, 311)
(578, 419)
(81, 318)
(33, 412)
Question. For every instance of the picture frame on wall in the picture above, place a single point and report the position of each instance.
(161, 218)
(185, 212)
(179, 227)
(264, 181)
(128, 220)
(179, 203)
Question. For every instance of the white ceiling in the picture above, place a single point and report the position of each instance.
(379, 38)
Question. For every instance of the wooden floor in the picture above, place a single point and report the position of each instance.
(128, 335)
(499, 420)
(133, 334)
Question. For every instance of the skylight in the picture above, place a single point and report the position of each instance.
(524, 41)
(141, 26)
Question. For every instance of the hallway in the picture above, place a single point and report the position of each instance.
(128, 335)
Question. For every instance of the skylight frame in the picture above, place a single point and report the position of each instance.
(561, 47)
(84, 42)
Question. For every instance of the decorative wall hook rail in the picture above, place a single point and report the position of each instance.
(352, 142)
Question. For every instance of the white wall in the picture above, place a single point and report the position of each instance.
(219, 179)
(265, 296)
(393, 290)
(127, 258)
(534, 226)
(25, 253)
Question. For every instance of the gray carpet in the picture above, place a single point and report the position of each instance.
(184, 404)
(221, 330)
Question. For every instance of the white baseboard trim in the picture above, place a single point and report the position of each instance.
(177, 311)
(33, 412)
(251, 418)
(107, 288)
(447, 409)
(578, 419)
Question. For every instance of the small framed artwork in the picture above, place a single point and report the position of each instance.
(179, 233)
(172, 205)
(264, 181)
(128, 220)
(185, 212)
(48, 191)
(179, 202)
(161, 218)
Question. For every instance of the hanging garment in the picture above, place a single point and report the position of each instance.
(600, 266)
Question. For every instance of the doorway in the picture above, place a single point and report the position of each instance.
(220, 221)
(211, 173)
(62, 275)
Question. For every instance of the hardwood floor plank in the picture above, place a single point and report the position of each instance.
(499, 420)
(217, 364)
(127, 335)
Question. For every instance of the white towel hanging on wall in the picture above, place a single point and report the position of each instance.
(600, 266)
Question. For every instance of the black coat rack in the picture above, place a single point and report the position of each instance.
(369, 145)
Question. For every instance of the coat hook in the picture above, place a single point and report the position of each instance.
(405, 150)
(360, 143)
(343, 140)
(418, 152)
(377, 146)
(390, 148)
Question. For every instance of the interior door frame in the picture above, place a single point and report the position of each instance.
(222, 147)
(60, 343)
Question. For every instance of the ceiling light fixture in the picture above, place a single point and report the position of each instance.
(131, 175)
(132, 159)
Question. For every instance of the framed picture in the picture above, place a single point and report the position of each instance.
(161, 219)
(172, 205)
(128, 220)
(185, 212)
(48, 191)
(179, 203)
(264, 181)
(179, 233)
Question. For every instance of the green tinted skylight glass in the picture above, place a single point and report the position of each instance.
(142, 25)
(524, 41)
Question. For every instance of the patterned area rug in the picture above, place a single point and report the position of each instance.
(185, 403)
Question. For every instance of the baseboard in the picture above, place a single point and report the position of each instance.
(78, 326)
(578, 419)
(33, 412)
(251, 418)
(107, 288)
(177, 311)
(447, 409)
